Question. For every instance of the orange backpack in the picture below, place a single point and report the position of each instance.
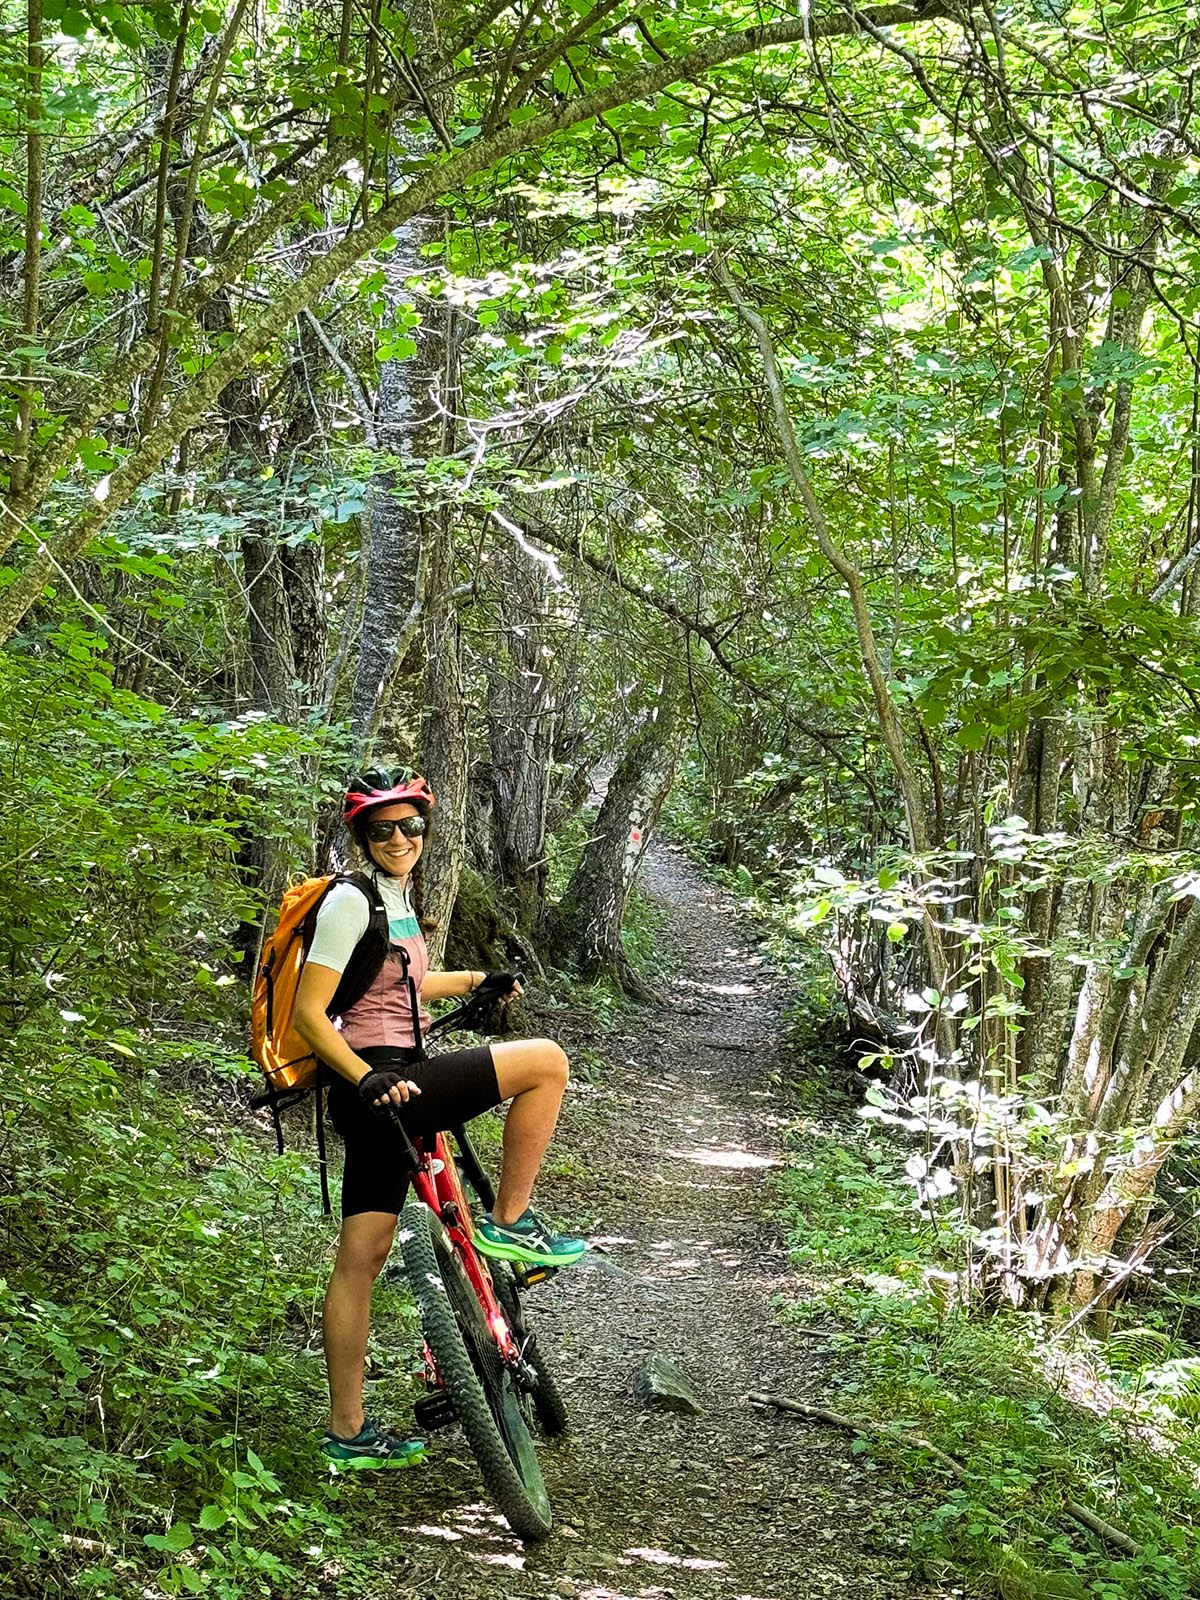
(290, 1066)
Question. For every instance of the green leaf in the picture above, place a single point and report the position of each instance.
(177, 1537)
(828, 875)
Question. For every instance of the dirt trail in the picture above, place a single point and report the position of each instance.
(669, 1151)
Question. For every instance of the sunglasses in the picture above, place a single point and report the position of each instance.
(380, 831)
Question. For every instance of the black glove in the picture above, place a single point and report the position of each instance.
(491, 1004)
(499, 985)
(379, 1083)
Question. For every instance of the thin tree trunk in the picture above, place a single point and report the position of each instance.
(35, 60)
(586, 926)
(523, 718)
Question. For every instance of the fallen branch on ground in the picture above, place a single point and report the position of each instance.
(834, 1419)
(822, 1333)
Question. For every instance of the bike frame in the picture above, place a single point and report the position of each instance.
(437, 1184)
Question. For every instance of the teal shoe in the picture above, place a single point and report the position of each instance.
(372, 1446)
(528, 1240)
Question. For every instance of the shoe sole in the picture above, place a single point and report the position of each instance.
(381, 1463)
(523, 1256)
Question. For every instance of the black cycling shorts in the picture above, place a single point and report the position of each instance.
(454, 1088)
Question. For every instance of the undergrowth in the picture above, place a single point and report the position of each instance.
(161, 1388)
(1033, 1427)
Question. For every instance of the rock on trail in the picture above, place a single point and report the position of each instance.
(666, 1157)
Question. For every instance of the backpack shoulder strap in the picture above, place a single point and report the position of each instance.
(366, 882)
(369, 953)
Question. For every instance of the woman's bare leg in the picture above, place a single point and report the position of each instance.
(362, 1250)
(532, 1073)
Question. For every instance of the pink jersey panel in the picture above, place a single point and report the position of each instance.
(384, 1014)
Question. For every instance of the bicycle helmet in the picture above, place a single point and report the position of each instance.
(375, 788)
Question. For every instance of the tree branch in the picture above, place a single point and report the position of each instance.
(436, 181)
(187, 209)
(1117, 1537)
(59, 452)
(164, 171)
(885, 707)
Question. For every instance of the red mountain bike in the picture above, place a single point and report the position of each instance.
(484, 1369)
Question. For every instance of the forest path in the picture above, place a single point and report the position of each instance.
(665, 1157)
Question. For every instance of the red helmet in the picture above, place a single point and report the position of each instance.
(372, 789)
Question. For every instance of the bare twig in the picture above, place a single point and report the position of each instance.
(366, 413)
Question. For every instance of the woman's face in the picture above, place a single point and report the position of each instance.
(397, 854)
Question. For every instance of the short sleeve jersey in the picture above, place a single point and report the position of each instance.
(384, 1014)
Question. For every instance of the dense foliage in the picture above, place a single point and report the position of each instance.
(794, 415)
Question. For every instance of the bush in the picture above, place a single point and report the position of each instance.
(160, 1392)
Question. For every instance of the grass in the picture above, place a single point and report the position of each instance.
(984, 1389)
(163, 1393)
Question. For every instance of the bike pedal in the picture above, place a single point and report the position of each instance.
(433, 1411)
(528, 1276)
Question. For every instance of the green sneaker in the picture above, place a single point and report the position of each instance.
(528, 1240)
(372, 1446)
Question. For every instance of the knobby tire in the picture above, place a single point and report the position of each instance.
(548, 1402)
(480, 1387)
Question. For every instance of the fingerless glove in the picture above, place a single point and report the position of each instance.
(496, 985)
(379, 1083)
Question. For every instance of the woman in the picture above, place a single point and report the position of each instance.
(373, 1051)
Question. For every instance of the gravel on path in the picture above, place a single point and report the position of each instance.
(668, 1153)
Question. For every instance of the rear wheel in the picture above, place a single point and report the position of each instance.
(480, 1386)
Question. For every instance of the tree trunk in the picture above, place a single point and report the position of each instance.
(586, 935)
(523, 719)
(385, 717)
(409, 702)
(446, 744)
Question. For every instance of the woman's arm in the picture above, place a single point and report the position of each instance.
(450, 985)
(316, 989)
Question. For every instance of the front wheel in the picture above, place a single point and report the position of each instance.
(480, 1386)
(548, 1402)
